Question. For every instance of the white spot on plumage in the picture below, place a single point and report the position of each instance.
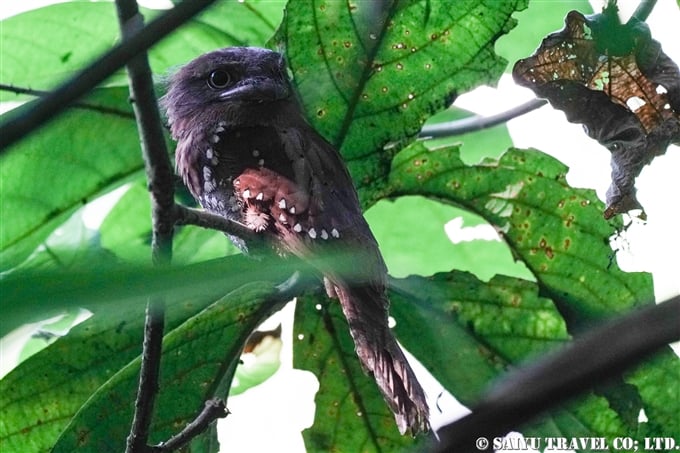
(282, 218)
(260, 162)
(222, 123)
(312, 233)
(215, 138)
(297, 228)
(246, 193)
(209, 153)
(324, 234)
(292, 210)
(282, 203)
(260, 196)
(256, 153)
(208, 185)
(219, 129)
(335, 233)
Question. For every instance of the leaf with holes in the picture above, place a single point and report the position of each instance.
(617, 82)
(370, 73)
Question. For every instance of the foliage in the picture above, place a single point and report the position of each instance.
(368, 80)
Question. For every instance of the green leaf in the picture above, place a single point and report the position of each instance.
(126, 231)
(351, 414)
(78, 156)
(370, 77)
(38, 398)
(558, 231)
(199, 358)
(245, 23)
(74, 33)
(658, 382)
(477, 331)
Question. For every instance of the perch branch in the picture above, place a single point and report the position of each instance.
(48, 107)
(529, 391)
(190, 216)
(478, 122)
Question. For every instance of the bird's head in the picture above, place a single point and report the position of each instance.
(227, 84)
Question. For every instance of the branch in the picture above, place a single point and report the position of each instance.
(213, 410)
(160, 179)
(644, 9)
(190, 216)
(478, 122)
(48, 107)
(529, 391)
(81, 105)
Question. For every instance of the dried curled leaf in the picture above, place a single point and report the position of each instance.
(616, 81)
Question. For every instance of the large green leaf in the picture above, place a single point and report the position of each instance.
(351, 414)
(245, 23)
(199, 358)
(370, 74)
(126, 231)
(74, 33)
(48, 175)
(556, 230)
(477, 331)
(68, 372)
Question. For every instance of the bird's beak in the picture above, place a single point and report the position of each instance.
(258, 90)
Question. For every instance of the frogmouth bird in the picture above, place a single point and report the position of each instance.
(246, 152)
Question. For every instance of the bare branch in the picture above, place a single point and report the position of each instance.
(48, 107)
(478, 122)
(529, 391)
(213, 410)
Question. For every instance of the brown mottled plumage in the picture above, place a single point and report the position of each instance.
(246, 152)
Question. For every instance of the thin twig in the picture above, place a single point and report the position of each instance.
(48, 107)
(80, 105)
(529, 391)
(478, 122)
(149, 375)
(214, 409)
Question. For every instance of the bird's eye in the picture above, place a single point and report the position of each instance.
(219, 79)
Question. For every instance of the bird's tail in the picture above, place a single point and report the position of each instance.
(365, 308)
